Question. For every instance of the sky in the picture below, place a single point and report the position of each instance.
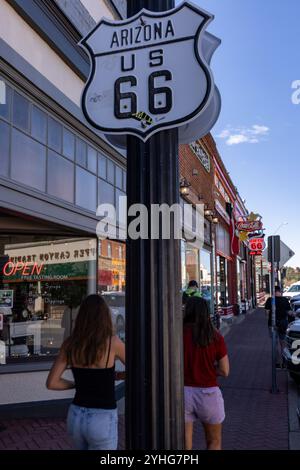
(258, 131)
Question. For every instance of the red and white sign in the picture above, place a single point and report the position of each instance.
(249, 225)
(256, 246)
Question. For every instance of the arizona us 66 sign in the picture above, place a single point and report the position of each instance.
(149, 72)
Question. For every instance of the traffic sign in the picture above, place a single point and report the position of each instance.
(151, 72)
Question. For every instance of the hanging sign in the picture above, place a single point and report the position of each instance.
(151, 72)
(256, 246)
(249, 225)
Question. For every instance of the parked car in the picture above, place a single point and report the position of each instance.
(290, 356)
(292, 291)
(294, 299)
(116, 302)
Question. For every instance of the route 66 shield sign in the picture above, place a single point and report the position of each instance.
(149, 72)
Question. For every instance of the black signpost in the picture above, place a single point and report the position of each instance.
(273, 257)
(154, 367)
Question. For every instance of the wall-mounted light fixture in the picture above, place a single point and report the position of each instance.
(184, 187)
(208, 212)
(215, 220)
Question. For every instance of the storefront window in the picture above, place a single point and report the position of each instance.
(42, 283)
(222, 281)
(239, 281)
(192, 263)
(205, 275)
(111, 280)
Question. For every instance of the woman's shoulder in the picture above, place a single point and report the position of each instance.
(116, 341)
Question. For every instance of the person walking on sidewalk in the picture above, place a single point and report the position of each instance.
(91, 352)
(205, 357)
(191, 291)
(282, 312)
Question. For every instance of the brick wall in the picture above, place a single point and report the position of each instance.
(202, 183)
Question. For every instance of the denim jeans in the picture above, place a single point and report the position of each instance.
(93, 428)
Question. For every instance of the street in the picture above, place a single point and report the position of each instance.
(255, 419)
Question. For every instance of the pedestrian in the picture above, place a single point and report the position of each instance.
(91, 352)
(191, 291)
(282, 312)
(205, 357)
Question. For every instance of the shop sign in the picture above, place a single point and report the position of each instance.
(151, 72)
(6, 298)
(256, 246)
(54, 253)
(25, 269)
(249, 225)
(201, 155)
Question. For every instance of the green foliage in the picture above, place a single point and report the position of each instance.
(292, 275)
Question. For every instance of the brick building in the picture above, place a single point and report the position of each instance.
(222, 258)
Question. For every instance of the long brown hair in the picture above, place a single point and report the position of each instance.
(93, 327)
(197, 315)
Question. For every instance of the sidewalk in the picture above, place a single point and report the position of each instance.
(255, 419)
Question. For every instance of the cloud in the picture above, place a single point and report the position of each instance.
(243, 135)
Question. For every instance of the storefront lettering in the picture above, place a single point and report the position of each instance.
(25, 269)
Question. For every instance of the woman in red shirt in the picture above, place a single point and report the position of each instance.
(205, 357)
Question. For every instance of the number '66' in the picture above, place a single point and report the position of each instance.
(159, 98)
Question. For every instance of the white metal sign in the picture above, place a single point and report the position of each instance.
(151, 72)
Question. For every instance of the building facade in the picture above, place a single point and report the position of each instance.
(54, 172)
(222, 255)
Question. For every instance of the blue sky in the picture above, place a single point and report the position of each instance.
(254, 68)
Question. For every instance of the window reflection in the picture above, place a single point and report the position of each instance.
(102, 166)
(92, 160)
(54, 134)
(41, 288)
(4, 148)
(60, 177)
(80, 152)
(111, 281)
(110, 172)
(5, 100)
(39, 124)
(85, 189)
(68, 144)
(31, 168)
(106, 193)
(21, 111)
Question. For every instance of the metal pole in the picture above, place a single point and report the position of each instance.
(274, 332)
(154, 359)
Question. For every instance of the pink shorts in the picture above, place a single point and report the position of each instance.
(205, 404)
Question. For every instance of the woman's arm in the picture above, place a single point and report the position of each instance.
(223, 366)
(119, 349)
(54, 379)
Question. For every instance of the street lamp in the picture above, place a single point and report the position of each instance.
(279, 227)
(184, 187)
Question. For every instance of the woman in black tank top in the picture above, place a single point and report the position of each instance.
(91, 351)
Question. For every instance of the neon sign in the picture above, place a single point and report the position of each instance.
(25, 269)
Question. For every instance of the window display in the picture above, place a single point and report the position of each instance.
(111, 280)
(42, 283)
(205, 274)
(222, 281)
